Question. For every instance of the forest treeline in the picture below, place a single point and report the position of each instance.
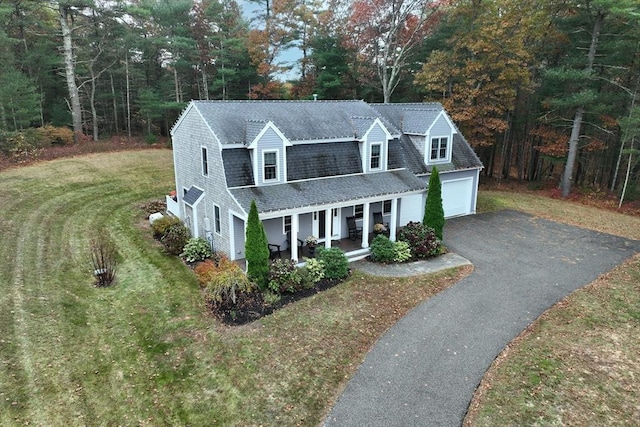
(537, 87)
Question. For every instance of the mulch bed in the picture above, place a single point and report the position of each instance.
(251, 307)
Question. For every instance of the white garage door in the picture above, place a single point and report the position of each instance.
(457, 197)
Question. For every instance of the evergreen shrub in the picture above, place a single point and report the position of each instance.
(336, 265)
(382, 249)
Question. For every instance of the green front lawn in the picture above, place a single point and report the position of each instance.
(146, 351)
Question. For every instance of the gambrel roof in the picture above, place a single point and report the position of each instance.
(332, 190)
(236, 122)
(416, 118)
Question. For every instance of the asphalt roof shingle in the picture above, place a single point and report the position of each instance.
(297, 120)
(318, 192)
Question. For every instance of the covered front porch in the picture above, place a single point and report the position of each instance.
(349, 227)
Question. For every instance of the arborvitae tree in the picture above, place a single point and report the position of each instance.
(433, 210)
(256, 248)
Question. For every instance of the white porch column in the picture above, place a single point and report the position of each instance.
(393, 221)
(328, 220)
(365, 225)
(293, 241)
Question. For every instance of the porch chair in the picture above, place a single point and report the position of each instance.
(274, 251)
(377, 219)
(354, 230)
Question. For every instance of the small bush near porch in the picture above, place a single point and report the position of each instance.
(415, 241)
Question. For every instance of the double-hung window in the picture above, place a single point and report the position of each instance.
(358, 211)
(270, 161)
(439, 147)
(375, 156)
(205, 162)
(216, 219)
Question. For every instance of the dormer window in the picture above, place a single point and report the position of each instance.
(375, 156)
(270, 162)
(439, 149)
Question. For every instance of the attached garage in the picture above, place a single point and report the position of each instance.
(458, 197)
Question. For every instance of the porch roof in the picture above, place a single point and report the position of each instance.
(318, 192)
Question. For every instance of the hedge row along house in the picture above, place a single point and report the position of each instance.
(315, 168)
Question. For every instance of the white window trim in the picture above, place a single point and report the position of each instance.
(447, 157)
(284, 223)
(355, 214)
(390, 207)
(217, 222)
(204, 155)
(380, 156)
(277, 153)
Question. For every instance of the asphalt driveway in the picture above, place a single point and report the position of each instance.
(424, 370)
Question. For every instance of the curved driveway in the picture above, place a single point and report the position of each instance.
(425, 369)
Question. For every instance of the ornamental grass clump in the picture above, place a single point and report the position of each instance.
(421, 239)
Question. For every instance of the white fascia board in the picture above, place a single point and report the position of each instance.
(377, 121)
(266, 127)
(340, 204)
(447, 118)
(181, 118)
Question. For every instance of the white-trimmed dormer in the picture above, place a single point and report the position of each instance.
(374, 143)
(439, 140)
(268, 154)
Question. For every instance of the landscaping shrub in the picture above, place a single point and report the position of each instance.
(382, 249)
(104, 259)
(402, 251)
(256, 249)
(175, 238)
(433, 210)
(313, 270)
(284, 276)
(225, 286)
(336, 265)
(196, 249)
(207, 270)
(53, 135)
(421, 239)
(21, 144)
(153, 206)
(161, 225)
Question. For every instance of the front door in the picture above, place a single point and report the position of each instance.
(320, 224)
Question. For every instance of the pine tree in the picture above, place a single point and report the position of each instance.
(433, 211)
(256, 248)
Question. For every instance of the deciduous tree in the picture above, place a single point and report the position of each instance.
(386, 34)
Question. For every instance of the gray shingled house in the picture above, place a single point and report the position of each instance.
(311, 165)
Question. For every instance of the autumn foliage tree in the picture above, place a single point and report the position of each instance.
(387, 33)
(489, 60)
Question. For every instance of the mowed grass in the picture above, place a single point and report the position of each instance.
(579, 363)
(146, 351)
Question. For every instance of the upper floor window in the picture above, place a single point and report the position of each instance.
(205, 162)
(375, 156)
(439, 148)
(270, 162)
